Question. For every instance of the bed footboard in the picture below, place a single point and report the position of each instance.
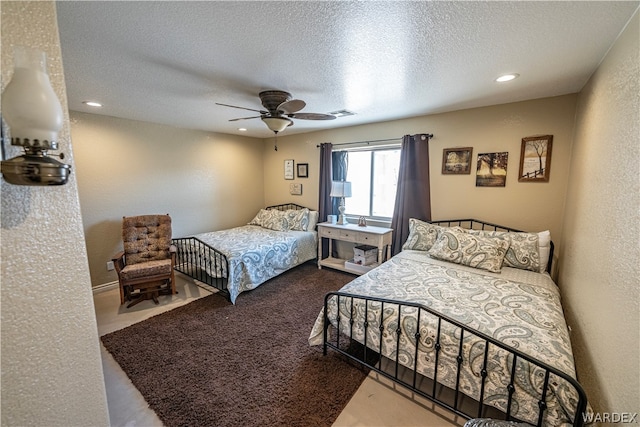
(201, 262)
(546, 388)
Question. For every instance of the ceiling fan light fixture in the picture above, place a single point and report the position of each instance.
(277, 124)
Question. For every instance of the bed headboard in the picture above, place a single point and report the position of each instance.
(286, 206)
(475, 224)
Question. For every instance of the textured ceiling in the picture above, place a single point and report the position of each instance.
(171, 62)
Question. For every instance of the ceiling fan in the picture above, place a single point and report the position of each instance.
(280, 109)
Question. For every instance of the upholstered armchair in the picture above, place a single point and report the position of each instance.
(146, 265)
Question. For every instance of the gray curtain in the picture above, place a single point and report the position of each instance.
(325, 204)
(413, 195)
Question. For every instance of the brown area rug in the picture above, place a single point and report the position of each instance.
(210, 363)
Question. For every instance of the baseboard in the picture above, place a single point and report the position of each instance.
(105, 287)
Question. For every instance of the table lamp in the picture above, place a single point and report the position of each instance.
(341, 189)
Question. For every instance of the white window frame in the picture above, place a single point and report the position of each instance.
(374, 220)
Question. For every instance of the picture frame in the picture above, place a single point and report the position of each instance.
(535, 158)
(288, 169)
(303, 170)
(457, 161)
(295, 189)
(492, 169)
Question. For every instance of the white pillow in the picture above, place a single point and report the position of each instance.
(313, 220)
(544, 246)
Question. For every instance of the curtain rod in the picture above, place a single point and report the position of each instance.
(429, 136)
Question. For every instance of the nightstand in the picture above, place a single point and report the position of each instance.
(379, 237)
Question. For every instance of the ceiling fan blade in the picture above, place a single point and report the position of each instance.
(312, 116)
(242, 108)
(292, 106)
(244, 118)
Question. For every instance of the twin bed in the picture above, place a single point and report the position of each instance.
(239, 259)
(465, 315)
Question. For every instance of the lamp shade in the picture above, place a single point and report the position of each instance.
(340, 189)
(277, 124)
(29, 104)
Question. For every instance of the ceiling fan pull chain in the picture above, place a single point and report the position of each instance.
(275, 144)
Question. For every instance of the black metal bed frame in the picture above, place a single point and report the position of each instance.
(201, 257)
(451, 399)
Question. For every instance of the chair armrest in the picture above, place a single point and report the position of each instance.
(118, 261)
(173, 250)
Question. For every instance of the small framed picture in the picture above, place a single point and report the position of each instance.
(303, 170)
(288, 169)
(535, 159)
(295, 189)
(456, 161)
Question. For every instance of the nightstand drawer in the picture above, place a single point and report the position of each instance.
(329, 232)
(367, 239)
(348, 235)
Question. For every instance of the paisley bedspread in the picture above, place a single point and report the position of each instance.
(257, 254)
(519, 308)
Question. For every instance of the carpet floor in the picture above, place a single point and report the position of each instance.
(211, 363)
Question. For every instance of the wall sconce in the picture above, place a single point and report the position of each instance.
(34, 116)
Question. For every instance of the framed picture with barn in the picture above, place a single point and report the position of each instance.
(535, 159)
(456, 161)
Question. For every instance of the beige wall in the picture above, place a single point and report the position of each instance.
(600, 267)
(205, 181)
(51, 366)
(528, 206)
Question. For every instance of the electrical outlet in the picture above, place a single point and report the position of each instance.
(110, 265)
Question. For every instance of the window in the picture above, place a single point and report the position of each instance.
(373, 174)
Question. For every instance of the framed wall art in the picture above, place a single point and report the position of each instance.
(288, 169)
(295, 189)
(456, 161)
(535, 159)
(303, 170)
(492, 169)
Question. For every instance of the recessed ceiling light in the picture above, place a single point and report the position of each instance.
(242, 129)
(507, 77)
(92, 103)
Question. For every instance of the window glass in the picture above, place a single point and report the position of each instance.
(374, 177)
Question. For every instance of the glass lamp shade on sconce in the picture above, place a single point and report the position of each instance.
(341, 189)
(33, 113)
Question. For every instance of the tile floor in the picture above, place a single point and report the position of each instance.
(378, 402)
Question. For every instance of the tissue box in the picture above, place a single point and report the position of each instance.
(365, 254)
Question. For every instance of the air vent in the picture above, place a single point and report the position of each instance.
(342, 113)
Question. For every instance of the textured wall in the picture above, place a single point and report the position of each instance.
(600, 265)
(205, 181)
(51, 366)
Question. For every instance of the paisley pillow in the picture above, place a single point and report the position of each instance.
(422, 235)
(298, 219)
(271, 219)
(524, 249)
(486, 253)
